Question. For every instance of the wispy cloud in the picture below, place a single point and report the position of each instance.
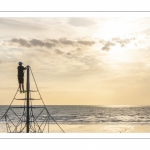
(58, 51)
(31, 43)
(49, 42)
(21, 42)
(17, 24)
(81, 22)
(89, 43)
(107, 45)
(65, 41)
(123, 41)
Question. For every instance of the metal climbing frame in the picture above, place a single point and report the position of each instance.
(28, 118)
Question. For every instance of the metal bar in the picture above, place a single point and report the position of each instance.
(36, 124)
(33, 91)
(12, 124)
(28, 97)
(29, 107)
(15, 113)
(23, 117)
(6, 124)
(48, 123)
(45, 124)
(43, 121)
(23, 128)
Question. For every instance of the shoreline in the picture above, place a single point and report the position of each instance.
(96, 128)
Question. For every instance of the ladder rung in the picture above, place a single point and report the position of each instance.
(26, 107)
(32, 121)
(33, 91)
(26, 99)
(29, 121)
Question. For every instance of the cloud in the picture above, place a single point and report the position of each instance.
(49, 43)
(89, 43)
(19, 24)
(78, 49)
(68, 53)
(53, 41)
(116, 40)
(123, 41)
(20, 41)
(66, 42)
(58, 51)
(35, 42)
(107, 45)
(102, 41)
(32, 43)
(81, 22)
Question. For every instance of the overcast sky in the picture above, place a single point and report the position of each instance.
(78, 61)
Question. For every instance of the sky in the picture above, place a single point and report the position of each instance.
(78, 61)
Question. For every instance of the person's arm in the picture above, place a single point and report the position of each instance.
(24, 68)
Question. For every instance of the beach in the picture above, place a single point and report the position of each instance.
(88, 119)
(102, 128)
(95, 128)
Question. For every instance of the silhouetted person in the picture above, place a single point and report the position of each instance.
(21, 77)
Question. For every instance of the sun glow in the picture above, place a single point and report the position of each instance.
(114, 28)
(118, 54)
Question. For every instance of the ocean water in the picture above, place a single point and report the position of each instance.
(93, 114)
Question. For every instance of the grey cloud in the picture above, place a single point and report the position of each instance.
(89, 43)
(81, 21)
(49, 42)
(102, 41)
(68, 53)
(56, 44)
(20, 41)
(108, 45)
(123, 42)
(35, 42)
(78, 49)
(58, 51)
(53, 40)
(32, 43)
(66, 42)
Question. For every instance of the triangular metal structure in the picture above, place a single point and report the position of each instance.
(28, 118)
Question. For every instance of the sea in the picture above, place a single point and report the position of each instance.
(89, 114)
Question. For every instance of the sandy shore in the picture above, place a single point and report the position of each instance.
(102, 128)
(97, 128)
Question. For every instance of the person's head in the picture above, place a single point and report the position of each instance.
(20, 63)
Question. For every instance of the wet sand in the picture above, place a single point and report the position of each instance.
(102, 128)
(95, 128)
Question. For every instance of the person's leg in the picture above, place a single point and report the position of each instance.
(23, 87)
(19, 81)
(20, 86)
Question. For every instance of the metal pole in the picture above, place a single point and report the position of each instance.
(28, 93)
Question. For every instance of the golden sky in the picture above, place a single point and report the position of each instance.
(78, 61)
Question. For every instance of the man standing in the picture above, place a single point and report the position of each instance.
(21, 77)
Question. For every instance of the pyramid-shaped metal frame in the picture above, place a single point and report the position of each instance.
(32, 119)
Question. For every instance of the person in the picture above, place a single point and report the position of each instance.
(21, 77)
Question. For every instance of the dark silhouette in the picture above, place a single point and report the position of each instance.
(21, 77)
